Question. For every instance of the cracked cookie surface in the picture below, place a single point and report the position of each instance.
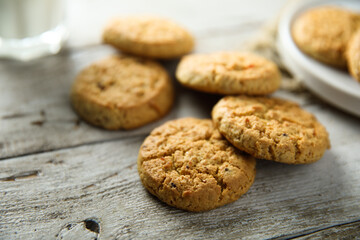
(271, 129)
(229, 73)
(324, 32)
(148, 36)
(187, 164)
(122, 92)
(353, 55)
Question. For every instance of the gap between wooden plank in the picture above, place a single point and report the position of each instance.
(75, 146)
(312, 231)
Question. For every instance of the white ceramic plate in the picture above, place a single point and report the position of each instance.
(335, 86)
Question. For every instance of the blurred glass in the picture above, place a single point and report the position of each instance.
(31, 28)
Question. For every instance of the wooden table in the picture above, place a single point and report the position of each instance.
(61, 178)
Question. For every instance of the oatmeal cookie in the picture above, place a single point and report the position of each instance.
(122, 92)
(353, 55)
(187, 164)
(271, 128)
(324, 32)
(148, 36)
(229, 73)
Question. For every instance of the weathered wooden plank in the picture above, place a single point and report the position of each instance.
(35, 112)
(40, 195)
(87, 187)
(342, 231)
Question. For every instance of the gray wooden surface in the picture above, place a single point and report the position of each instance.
(63, 179)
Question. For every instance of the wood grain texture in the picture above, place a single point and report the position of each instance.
(35, 113)
(63, 179)
(100, 182)
(341, 231)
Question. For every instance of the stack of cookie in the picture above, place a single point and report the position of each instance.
(129, 90)
(330, 35)
(188, 163)
(195, 164)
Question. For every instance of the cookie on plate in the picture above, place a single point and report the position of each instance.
(229, 73)
(324, 32)
(187, 164)
(122, 92)
(271, 128)
(353, 55)
(148, 36)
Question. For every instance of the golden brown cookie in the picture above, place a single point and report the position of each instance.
(148, 36)
(229, 73)
(187, 164)
(353, 56)
(271, 128)
(323, 33)
(122, 92)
